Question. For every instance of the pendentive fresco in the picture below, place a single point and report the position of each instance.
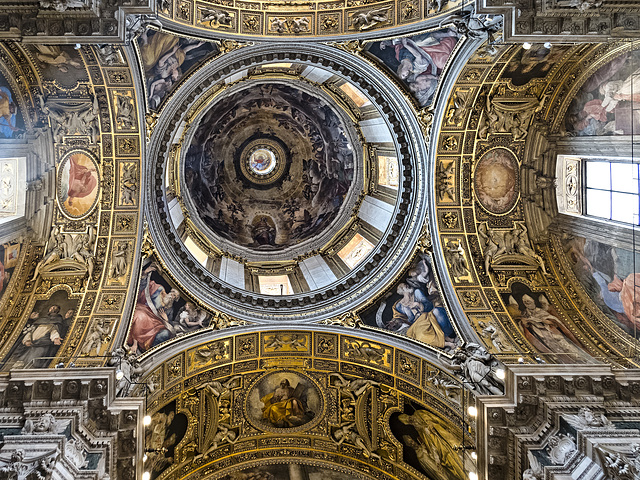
(166, 58)
(162, 311)
(10, 116)
(417, 61)
(414, 307)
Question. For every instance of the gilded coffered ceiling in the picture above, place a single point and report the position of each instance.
(309, 258)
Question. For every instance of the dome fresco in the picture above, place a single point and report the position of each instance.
(270, 166)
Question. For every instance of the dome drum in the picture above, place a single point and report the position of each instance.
(366, 236)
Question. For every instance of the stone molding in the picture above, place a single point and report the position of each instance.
(555, 420)
(70, 424)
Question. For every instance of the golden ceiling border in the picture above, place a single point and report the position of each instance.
(481, 295)
(113, 219)
(424, 384)
(303, 19)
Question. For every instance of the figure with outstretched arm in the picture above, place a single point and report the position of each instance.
(151, 324)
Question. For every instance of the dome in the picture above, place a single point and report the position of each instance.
(286, 184)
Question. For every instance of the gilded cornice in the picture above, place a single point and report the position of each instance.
(303, 20)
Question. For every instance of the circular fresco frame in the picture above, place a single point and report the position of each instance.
(277, 163)
(265, 387)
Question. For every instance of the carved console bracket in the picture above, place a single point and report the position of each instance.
(68, 424)
(561, 421)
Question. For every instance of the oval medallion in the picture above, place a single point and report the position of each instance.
(495, 181)
(78, 184)
(284, 400)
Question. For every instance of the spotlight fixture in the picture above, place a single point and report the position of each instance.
(526, 45)
(77, 46)
(473, 411)
(145, 457)
(520, 360)
(146, 476)
(500, 373)
(146, 420)
(473, 476)
(474, 455)
(119, 374)
(547, 45)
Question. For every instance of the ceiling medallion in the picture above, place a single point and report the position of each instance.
(284, 401)
(263, 161)
(496, 181)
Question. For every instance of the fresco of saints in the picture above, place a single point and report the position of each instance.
(7, 113)
(434, 447)
(418, 60)
(609, 278)
(285, 406)
(152, 316)
(545, 331)
(57, 57)
(42, 338)
(419, 313)
(423, 55)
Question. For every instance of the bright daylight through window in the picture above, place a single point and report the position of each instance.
(611, 190)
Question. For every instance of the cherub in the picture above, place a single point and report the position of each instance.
(98, 334)
(352, 388)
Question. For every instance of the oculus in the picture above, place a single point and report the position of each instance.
(262, 161)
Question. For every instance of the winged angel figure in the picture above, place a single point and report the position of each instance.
(586, 419)
(535, 471)
(367, 20)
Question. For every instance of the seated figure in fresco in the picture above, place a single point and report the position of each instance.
(421, 319)
(8, 111)
(546, 332)
(423, 53)
(285, 407)
(263, 233)
(151, 324)
(42, 338)
(418, 313)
